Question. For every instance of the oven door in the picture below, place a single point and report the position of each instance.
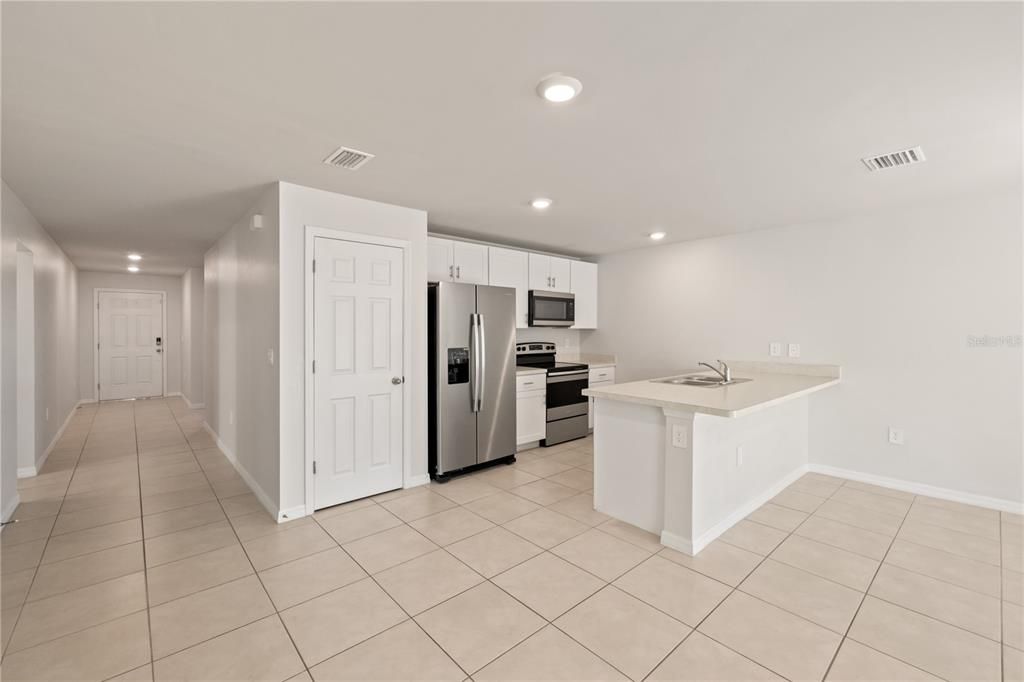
(552, 309)
(565, 394)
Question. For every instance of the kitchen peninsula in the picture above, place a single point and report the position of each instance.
(689, 461)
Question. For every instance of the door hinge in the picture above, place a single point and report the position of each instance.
(97, 346)
(97, 387)
(314, 266)
(314, 467)
(314, 367)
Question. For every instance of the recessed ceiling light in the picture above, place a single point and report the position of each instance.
(133, 268)
(134, 256)
(657, 235)
(559, 88)
(541, 203)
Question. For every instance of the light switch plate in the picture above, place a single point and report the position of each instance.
(739, 456)
(775, 349)
(794, 350)
(895, 436)
(679, 436)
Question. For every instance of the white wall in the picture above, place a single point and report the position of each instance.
(892, 298)
(240, 293)
(88, 282)
(302, 206)
(192, 322)
(56, 334)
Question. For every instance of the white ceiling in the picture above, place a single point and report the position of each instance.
(152, 126)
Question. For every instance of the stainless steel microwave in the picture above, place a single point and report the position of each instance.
(552, 309)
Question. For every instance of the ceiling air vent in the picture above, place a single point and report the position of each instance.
(904, 157)
(344, 157)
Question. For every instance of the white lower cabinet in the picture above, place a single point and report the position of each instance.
(601, 376)
(531, 408)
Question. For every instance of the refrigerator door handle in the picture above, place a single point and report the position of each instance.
(481, 361)
(474, 358)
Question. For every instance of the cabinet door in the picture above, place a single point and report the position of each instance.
(510, 268)
(584, 288)
(470, 262)
(530, 417)
(439, 260)
(561, 278)
(540, 272)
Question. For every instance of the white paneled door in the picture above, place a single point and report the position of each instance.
(131, 344)
(358, 380)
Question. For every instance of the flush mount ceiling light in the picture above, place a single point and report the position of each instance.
(559, 88)
(134, 257)
(133, 268)
(657, 236)
(541, 203)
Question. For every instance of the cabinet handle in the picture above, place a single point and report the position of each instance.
(451, 272)
(458, 272)
(527, 383)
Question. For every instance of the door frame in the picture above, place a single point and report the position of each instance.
(96, 335)
(309, 408)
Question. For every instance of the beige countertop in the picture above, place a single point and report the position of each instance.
(771, 384)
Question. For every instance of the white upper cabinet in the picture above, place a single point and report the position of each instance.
(549, 273)
(440, 267)
(510, 268)
(454, 261)
(584, 288)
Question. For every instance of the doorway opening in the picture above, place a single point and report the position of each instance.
(25, 308)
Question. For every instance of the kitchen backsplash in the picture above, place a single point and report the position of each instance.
(564, 339)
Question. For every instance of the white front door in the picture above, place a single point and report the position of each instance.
(358, 375)
(131, 345)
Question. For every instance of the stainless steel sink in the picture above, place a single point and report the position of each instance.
(699, 380)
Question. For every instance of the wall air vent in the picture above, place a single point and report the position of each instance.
(904, 157)
(344, 157)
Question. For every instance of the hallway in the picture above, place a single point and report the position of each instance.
(135, 497)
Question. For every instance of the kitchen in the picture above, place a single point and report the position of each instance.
(465, 347)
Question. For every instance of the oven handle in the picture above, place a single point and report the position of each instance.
(567, 376)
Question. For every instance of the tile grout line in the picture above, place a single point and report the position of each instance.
(256, 573)
(21, 609)
(736, 588)
(846, 635)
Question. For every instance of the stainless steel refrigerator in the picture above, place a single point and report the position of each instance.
(472, 364)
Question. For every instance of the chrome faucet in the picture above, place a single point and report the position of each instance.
(722, 370)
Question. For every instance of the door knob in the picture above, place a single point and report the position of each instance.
(397, 380)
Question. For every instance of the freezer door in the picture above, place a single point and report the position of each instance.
(456, 427)
(496, 420)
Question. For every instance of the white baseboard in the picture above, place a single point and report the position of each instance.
(188, 403)
(414, 481)
(292, 513)
(86, 401)
(921, 489)
(258, 491)
(28, 472)
(681, 544)
(9, 507)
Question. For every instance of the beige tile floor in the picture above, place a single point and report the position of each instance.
(140, 554)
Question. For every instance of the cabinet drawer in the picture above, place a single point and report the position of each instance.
(531, 382)
(602, 375)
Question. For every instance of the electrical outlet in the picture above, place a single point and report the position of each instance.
(794, 350)
(679, 436)
(895, 436)
(775, 349)
(231, 417)
(270, 357)
(47, 414)
(739, 456)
